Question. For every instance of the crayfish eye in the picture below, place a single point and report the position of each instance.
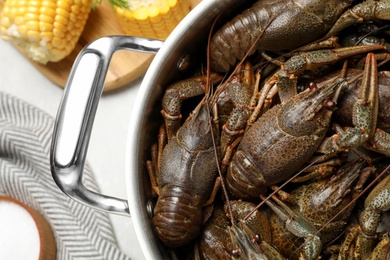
(313, 86)
(329, 104)
(256, 238)
(236, 252)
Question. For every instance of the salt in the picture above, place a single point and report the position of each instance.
(19, 235)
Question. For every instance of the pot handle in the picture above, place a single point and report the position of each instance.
(76, 114)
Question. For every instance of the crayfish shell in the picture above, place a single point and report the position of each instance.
(177, 216)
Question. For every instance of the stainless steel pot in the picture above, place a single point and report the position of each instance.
(79, 104)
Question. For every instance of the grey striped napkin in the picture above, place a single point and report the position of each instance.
(25, 139)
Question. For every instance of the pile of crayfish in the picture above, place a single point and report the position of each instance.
(286, 154)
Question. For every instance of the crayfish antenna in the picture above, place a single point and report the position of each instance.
(208, 95)
(238, 66)
(275, 191)
(219, 90)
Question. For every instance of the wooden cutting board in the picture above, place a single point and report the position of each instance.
(125, 66)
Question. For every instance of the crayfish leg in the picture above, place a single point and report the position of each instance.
(380, 142)
(214, 192)
(382, 250)
(345, 248)
(287, 76)
(175, 93)
(299, 226)
(152, 176)
(153, 165)
(367, 10)
(365, 113)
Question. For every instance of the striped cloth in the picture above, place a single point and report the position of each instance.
(25, 139)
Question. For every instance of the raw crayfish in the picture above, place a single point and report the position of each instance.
(280, 142)
(295, 129)
(184, 171)
(220, 240)
(312, 206)
(287, 25)
(182, 188)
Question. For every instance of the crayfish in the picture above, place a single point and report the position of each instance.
(254, 131)
(312, 206)
(219, 236)
(287, 25)
(184, 170)
(296, 129)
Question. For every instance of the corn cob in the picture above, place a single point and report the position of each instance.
(47, 30)
(151, 18)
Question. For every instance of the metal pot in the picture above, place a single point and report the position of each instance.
(79, 104)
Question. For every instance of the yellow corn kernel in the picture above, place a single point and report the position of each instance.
(47, 30)
(151, 18)
(45, 19)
